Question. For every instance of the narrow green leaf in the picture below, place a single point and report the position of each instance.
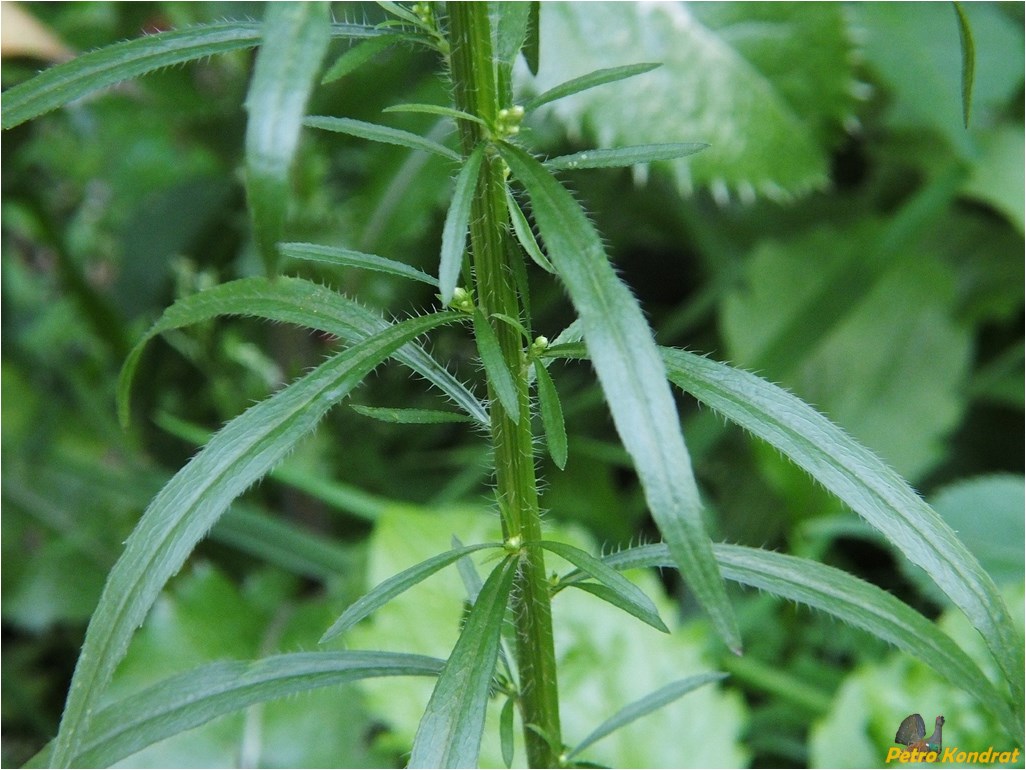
(526, 237)
(436, 109)
(401, 12)
(639, 708)
(624, 156)
(591, 80)
(512, 323)
(198, 696)
(395, 585)
(965, 38)
(532, 46)
(112, 64)
(863, 482)
(357, 56)
(495, 364)
(377, 133)
(457, 220)
(282, 543)
(336, 255)
(506, 734)
(190, 504)
(633, 380)
(450, 731)
(295, 38)
(510, 31)
(294, 300)
(410, 416)
(551, 415)
(626, 595)
(847, 598)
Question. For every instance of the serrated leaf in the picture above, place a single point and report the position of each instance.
(410, 416)
(395, 585)
(495, 365)
(293, 300)
(771, 125)
(965, 39)
(376, 133)
(633, 380)
(625, 594)
(189, 505)
(357, 56)
(866, 484)
(336, 255)
(207, 692)
(623, 156)
(646, 705)
(594, 79)
(449, 734)
(526, 237)
(552, 416)
(457, 220)
(436, 109)
(294, 39)
(850, 599)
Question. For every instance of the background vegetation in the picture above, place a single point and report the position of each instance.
(844, 235)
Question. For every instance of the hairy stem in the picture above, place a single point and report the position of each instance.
(476, 92)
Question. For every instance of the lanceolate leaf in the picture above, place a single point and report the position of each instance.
(189, 505)
(435, 109)
(495, 365)
(628, 596)
(377, 133)
(634, 382)
(624, 156)
(552, 416)
(410, 416)
(98, 69)
(356, 57)
(294, 300)
(205, 693)
(523, 232)
(295, 37)
(866, 484)
(454, 233)
(845, 597)
(648, 704)
(395, 585)
(591, 80)
(336, 255)
(449, 734)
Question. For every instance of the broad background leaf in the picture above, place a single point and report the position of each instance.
(727, 68)
(605, 659)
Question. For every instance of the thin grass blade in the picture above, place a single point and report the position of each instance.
(495, 365)
(450, 731)
(357, 56)
(205, 693)
(336, 255)
(410, 416)
(847, 598)
(191, 503)
(591, 80)
(294, 300)
(626, 595)
(867, 485)
(376, 133)
(965, 38)
(436, 109)
(457, 220)
(624, 156)
(552, 416)
(639, 708)
(295, 38)
(395, 585)
(633, 380)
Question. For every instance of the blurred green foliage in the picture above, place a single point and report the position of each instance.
(881, 281)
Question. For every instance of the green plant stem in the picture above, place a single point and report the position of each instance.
(477, 93)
